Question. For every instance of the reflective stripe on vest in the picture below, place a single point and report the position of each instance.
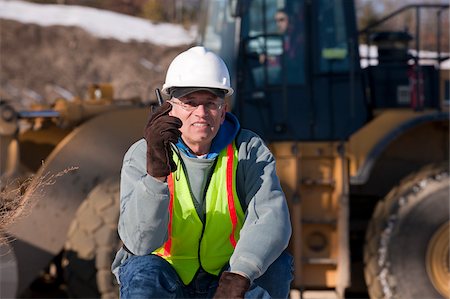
(190, 243)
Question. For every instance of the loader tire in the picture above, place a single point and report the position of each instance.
(92, 243)
(406, 250)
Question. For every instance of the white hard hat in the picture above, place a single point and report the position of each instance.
(198, 67)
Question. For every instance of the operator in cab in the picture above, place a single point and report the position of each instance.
(202, 212)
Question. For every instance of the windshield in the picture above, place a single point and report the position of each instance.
(273, 32)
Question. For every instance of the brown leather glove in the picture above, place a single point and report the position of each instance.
(160, 131)
(232, 285)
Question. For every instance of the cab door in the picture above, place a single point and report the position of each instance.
(272, 82)
(303, 83)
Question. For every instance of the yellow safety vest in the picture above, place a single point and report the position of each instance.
(191, 243)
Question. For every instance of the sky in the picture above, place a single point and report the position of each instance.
(100, 23)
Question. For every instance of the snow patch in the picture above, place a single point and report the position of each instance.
(100, 23)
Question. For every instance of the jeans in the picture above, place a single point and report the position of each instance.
(151, 276)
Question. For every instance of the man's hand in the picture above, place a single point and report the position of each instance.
(232, 285)
(161, 130)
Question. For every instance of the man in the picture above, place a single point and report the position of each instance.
(291, 57)
(202, 211)
(282, 21)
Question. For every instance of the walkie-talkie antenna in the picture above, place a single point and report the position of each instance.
(159, 96)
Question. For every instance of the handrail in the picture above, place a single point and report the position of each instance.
(417, 7)
(369, 29)
(397, 12)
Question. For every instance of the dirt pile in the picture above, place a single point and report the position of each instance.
(40, 64)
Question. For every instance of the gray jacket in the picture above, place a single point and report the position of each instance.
(144, 203)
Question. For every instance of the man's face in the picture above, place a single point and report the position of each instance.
(200, 125)
(282, 21)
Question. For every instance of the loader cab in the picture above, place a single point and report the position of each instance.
(303, 83)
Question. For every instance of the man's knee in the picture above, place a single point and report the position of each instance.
(278, 277)
(146, 274)
(281, 267)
